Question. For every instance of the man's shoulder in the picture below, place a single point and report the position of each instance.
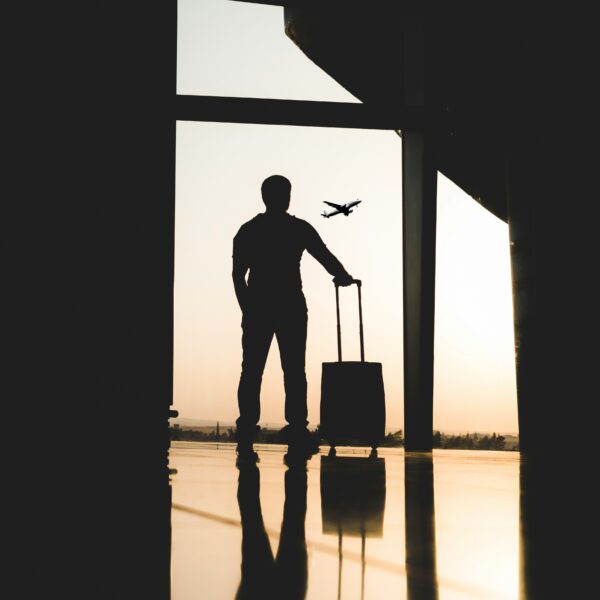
(250, 225)
(301, 224)
(309, 234)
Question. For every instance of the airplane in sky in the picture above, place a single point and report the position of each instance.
(340, 209)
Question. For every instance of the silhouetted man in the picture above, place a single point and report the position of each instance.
(270, 247)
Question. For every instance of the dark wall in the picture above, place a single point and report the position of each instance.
(550, 184)
(89, 240)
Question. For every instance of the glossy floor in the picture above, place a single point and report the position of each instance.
(444, 525)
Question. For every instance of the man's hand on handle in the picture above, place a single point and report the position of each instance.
(344, 280)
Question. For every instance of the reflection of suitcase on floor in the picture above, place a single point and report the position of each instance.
(352, 395)
(352, 502)
(353, 495)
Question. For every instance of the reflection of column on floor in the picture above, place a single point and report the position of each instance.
(340, 558)
(421, 570)
(558, 514)
(362, 565)
(352, 502)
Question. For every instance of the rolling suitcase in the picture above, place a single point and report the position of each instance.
(352, 395)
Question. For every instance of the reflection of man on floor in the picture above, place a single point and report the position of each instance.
(263, 576)
(270, 247)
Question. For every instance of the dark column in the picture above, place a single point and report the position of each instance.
(522, 221)
(419, 187)
(552, 184)
(93, 233)
(554, 247)
(126, 258)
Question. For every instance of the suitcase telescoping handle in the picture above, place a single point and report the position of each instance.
(358, 283)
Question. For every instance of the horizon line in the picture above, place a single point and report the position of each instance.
(278, 425)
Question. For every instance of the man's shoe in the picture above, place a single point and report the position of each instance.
(304, 443)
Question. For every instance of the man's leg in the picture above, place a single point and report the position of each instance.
(291, 338)
(256, 340)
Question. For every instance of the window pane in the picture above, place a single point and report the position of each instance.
(230, 48)
(220, 169)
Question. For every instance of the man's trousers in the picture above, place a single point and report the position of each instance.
(258, 328)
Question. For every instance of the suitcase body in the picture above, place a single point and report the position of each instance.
(352, 397)
(352, 403)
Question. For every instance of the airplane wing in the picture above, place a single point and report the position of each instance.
(338, 206)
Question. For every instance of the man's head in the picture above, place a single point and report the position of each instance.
(276, 193)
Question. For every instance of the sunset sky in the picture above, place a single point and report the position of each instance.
(233, 49)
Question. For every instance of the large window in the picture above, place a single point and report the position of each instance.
(220, 168)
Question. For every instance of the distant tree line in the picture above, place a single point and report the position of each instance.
(178, 433)
(263, 436)
(467, 441)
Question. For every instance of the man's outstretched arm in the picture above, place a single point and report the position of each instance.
(317, 248)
